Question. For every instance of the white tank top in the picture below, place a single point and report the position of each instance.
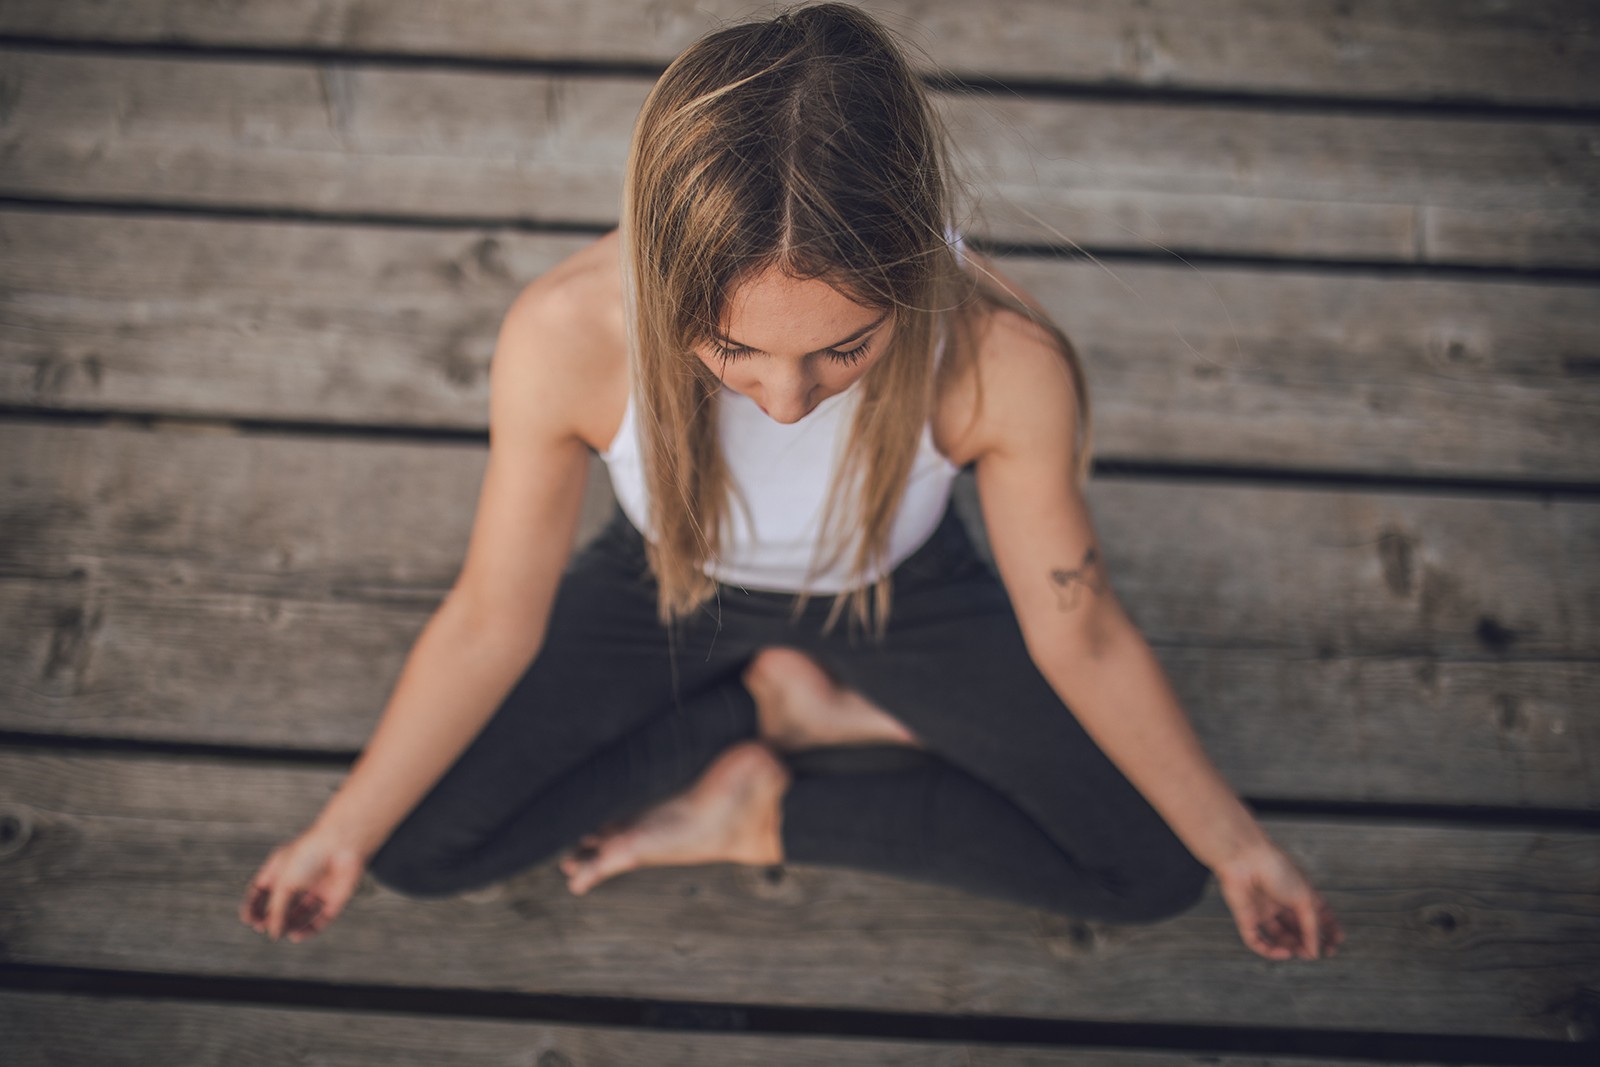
(784, 473)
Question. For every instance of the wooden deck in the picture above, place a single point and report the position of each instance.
(1342, 325)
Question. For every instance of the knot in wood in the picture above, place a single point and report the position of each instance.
(1444, 920)
(774, 882)
(16, 828)
(1066, 937)
(1493, 636)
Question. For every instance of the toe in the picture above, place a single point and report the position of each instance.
(610, 857)
(580, 871)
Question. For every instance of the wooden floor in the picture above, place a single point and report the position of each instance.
(1335, 272)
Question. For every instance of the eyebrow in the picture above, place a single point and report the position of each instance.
(868, 328)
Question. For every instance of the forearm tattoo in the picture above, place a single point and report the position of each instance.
(1089, 574)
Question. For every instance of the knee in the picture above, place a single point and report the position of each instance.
(1159, 891)
(402, 880)
(404, 870)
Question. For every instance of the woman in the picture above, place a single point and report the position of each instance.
(785, 355)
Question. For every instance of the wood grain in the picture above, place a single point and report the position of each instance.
(46, 1029)
(1147, 177)
(1533, 52)
(1331, 644)
(394, 327)
(140, 862)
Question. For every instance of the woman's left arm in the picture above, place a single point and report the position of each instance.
(1092, 654)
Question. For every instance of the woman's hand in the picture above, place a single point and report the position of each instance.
(1278, 912)
(302, 886)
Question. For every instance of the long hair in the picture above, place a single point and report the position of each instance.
(806, 143)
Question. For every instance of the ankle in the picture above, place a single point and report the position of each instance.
(774, 830)
(765, 841)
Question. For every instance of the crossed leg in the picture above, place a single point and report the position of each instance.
(1080, 840)
(733, 811)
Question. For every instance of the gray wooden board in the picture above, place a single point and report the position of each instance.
(49, 1029)
(1534, 51)
(395, 326)
(264, 589)
(1144, 176)
(130, 862)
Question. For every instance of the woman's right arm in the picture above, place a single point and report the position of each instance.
(484, 633)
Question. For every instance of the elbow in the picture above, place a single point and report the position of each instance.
(1073, 643)
(483, 625)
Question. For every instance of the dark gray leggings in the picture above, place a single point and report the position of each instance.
(1011, 799)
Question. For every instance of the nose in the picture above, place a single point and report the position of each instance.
(786, 401)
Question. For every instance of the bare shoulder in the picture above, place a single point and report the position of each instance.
(1014, 393)
(562, 351)
(548, 384)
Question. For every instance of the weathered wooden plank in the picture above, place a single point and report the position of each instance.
(1330, 644)
(1237, 179)
(124, 862)
(392, 326)
(1536, 51)
(385, 326)
(48, 1029)
(126, 661)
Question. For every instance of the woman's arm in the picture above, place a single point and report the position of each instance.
(491, 625)
(1077, 633)
(1122, 697)
(1090, 652)
(487, 630)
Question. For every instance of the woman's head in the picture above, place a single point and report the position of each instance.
(802, 147)
(786, 224)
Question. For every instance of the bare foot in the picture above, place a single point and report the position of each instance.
(732, 814)
(799, 707)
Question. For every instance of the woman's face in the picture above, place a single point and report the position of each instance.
(789, 345)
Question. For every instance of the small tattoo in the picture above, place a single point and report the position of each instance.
(1089, 573)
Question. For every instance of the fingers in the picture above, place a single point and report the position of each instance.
(1274, 939)
(277, 905)
(297, 916)
(304, 910)
(1310, 929)
(283, 902)
(289, 913)
(1279, 913)
(1333, 935)
(1277, 940)
(1321, 935)
(1259, 925)
(269, 897)
(1270, 930)
(321, 907)
(254, 908)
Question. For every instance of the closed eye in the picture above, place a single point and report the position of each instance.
(855, 355)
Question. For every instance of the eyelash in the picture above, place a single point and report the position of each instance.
(849, 358)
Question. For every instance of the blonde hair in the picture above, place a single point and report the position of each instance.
(806, 143)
